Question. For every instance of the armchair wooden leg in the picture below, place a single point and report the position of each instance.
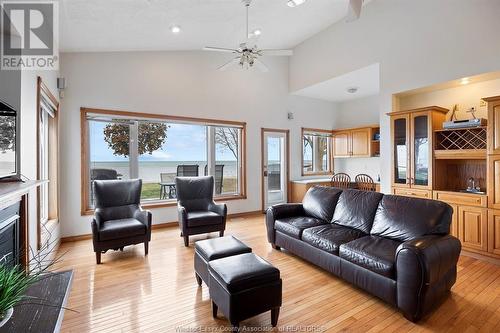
(275, 313)
(221, 233)
(198, 279)
(98, 257)
(186, 241)
(214, 309)
(146, 248)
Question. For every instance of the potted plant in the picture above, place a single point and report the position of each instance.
(13, 284)
(14, 280)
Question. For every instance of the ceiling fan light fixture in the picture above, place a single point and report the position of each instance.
(175, 29)
(295, 3)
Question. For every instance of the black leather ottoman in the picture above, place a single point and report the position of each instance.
(217, 248)
(244, 286)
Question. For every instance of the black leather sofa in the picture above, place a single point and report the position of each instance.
(397, 248)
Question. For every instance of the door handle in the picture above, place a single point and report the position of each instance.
(265, 173)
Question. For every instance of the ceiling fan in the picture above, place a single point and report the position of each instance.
(247, 56)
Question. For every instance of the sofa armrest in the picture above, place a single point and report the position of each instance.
(144, 216)
(425, 270)
(182, 216)
(280, 211)
(219, 209)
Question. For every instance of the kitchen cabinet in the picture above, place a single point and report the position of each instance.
(356, 142)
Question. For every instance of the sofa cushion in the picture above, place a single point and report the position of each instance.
(320, 202)
(293, 226)
(122, 228)
(330, 236)
(203, 218)
(356, 209)
(402, 218)
(374, 253)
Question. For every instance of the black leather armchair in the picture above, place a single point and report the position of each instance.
(119, 219)
(198, 213)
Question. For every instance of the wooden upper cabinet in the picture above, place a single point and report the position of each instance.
(412, 146)
(356, 142)
(341, 144)
(493, 124)
(360, 142)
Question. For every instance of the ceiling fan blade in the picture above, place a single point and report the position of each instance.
(283, 53)
(354, 10)
(219, 49)
(260, 65)
(229, 64)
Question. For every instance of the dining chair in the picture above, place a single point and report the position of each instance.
(188, 170)
(167, 181)
(219, 177)
(341, 180)
(365, 182)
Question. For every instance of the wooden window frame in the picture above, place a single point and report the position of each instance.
(329, 172)
(84, 174)
(53, 132)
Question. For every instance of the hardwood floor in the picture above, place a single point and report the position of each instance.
(158, 293)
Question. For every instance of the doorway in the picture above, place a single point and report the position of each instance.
(275, 153)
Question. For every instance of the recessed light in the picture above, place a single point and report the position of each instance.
(175, 29)
(352, 90)
(295, 3)
(255, 33)
(465, 81)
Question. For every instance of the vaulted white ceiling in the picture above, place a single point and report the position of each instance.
(121, 25)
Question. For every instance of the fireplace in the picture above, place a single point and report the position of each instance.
(10, 245)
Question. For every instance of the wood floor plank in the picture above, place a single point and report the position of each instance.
(158, 293)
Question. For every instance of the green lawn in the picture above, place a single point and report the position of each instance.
(151, 191)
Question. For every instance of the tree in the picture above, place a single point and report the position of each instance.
(152, 136)
(228, 138)
(7, 133)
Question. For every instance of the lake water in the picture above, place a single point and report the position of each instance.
(149, 171)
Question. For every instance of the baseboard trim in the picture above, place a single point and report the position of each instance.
(159, 226)
(482, 257)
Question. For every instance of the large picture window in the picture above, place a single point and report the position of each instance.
(316, 152)
(157, 149)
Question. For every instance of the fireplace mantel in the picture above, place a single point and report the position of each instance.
(13, 191)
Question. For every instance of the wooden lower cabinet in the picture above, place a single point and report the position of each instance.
(454, 221)
(411, 192)
(473, 227)
(494, 231)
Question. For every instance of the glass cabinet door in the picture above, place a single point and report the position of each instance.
(400, 130)
(421, 150)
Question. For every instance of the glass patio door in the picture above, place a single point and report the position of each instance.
(274, 168)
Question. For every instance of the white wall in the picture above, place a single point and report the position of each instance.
(28, 143)
(417, 43)
(185, 84)
(466, 96)
(357, 113)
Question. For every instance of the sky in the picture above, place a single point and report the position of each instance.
(184, 143)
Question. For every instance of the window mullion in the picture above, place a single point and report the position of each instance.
(211, 150)
(134, 150)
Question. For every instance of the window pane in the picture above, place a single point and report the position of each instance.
(321, 154)
(167, 151)
(316, 153)
(109, 151)
(227, 160)
(307, 143)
